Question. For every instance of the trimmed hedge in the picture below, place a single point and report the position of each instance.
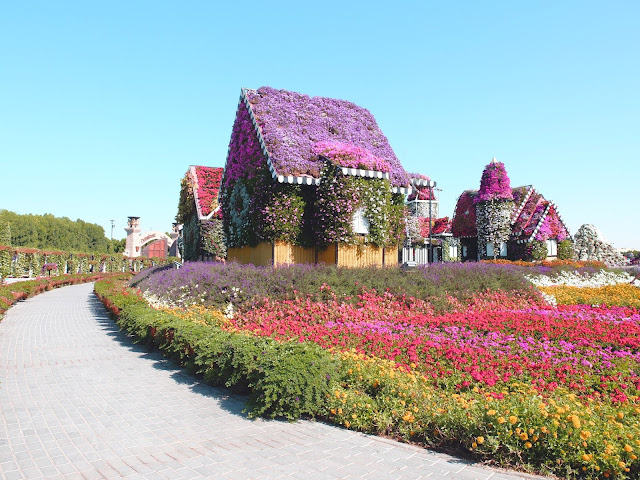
(287, 379)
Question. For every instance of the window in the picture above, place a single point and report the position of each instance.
(453, 251)
(464, 251)
(552, 247)
(489, 249)
(360, 222)
(502, 252)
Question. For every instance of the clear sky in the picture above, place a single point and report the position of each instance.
(104, 105)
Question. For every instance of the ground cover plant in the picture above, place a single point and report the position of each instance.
(464, 356)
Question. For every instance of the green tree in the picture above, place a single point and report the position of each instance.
(5, 255)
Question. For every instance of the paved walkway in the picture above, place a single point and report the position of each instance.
(79, 400)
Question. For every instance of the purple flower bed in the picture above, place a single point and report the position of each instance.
(217, 284)
(293, 123)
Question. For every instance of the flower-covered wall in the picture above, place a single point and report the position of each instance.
(198, 212)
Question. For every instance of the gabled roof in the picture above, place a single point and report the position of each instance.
(290, 126)
(464, 216)
(205, 182)
(530, 212)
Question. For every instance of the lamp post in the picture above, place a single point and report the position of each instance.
(431, 186)
(112, 224)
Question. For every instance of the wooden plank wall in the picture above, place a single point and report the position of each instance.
(343, 255)
(286, 254)
(260, 255)
(328, 255)
(358, 256)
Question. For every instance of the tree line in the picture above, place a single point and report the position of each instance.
(47, 232)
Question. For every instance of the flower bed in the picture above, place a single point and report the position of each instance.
(454, 356)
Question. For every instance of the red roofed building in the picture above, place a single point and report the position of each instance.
(200, 215)
(532, 219)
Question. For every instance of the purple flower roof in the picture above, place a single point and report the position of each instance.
(292, 124)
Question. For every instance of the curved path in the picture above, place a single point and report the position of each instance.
(79, 400)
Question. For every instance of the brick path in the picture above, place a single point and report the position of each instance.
(79, 400)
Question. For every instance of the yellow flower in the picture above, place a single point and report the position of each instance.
(586, 457)
(524, 436)
(513, 419)
(501, 420)
(491, 412)
(527, 445)
(480, 440)
(585, 434)
(628, 449)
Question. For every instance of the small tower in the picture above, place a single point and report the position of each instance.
(132, 229)
(494, 204)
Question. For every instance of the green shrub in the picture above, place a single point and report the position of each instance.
(536, 250)
(565, 249)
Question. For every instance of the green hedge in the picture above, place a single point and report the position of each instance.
(288, 379)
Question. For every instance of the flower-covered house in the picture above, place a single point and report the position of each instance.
(498, 221)
(199, 213)
(311, 179)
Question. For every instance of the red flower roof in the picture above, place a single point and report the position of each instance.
(464, 217)
(206, 186)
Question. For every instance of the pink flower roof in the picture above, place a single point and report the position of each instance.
(495, 184)
(295, 130)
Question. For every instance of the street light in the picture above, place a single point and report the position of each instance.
(431, 186)
(112, 228)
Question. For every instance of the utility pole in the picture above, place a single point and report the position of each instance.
(112, 229)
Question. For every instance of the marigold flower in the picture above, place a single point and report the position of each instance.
(480, 440)
(513, 419)
(501, 420)
(528, 445)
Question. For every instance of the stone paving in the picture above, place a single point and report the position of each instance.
(79, 400)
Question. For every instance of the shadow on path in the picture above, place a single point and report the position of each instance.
(230, 402)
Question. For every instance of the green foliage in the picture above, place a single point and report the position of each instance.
(212, 238)
(191, 237)
(5, 254)
(565, 249)
(186, 204)
(47, 232)
(536, 250)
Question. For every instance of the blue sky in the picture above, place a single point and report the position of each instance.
(104, 105)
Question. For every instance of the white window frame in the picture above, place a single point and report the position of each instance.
(453, 251)
(552, 247)
(360, 223)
